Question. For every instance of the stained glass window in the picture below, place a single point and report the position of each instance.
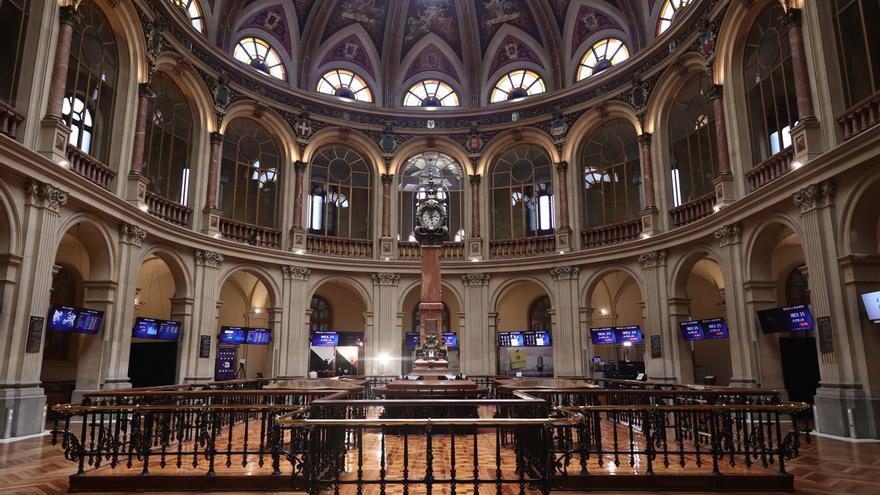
(602, 55)
(260, 55)
(430, 93)
(517, 84)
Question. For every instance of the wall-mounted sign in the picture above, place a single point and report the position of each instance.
(204, 346)
(35, 334)
(826, 335)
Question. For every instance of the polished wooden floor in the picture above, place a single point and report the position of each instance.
(825, 467)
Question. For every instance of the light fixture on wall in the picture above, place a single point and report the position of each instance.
(603, 311)
(138, 302)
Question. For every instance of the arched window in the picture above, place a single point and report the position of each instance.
(451, 178)
(693, 158)
(168, 141)
(345, 83)
(321, 317)
(91, 83)
(858, 44)
(539, 315)
(602, 55)
(13, 25)
(340, 195)
(417, 319)
(260, 55)
(769, 82)
(668, 13)
(521, 187)
(249, 173)
(611, 174)
(796, 289)
(517, 84)
(193, 12)
(430, 93)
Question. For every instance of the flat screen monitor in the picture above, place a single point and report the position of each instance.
(169, 330)
(871, 301)
(450, 339)
(325, 339)
(258, 336)
(715, 328)
(232, 335)
(603, 336)
(412, 340)
(88, 321)
(145, 328)
(691, 330)
(510, 339)
(537, 339)
(786, 319)
(632, 334)
(61, 319)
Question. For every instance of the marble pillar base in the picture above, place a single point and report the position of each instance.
(725, 189)
(211, 221)
(26, 404)
(53, 137)
(650, 221)
(847, 412)
(298, 239)
(807, 139)
(136, 190)
(563, 239)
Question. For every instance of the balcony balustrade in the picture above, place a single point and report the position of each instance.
(9, 120)
(771, 169)
(410, 251)
(255, 235)
(522, 247)
(861, 116)
(86, 166)
(614, 233)
(168, 210)
(339, 246)
(694, 210)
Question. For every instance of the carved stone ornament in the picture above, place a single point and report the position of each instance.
(132, 234)
(653, 259)
(46, 195)
(475, 279)
(295, 272)
(208, 258)
(386, 279)
(565, 272)
(729, 234)
(815, 196)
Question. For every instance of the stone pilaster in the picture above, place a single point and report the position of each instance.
(182, 311)
(211, 213)
(380, 336)
(656, 312)
(649, 215)
(386, 243)
(292, 337)
(566, 340)
(298, 233)
(206, 291)
(475, 242)
(20, 394)
(476, 341)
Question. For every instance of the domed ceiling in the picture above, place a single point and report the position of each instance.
(468, 44)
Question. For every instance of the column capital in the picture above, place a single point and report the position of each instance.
(208, 259)
(715, 91)
(819, 195)
(475, 179)
(69, 15)
(131, 234)
(145, 90)
(387, 179)
(216, 137)
(391, 279)
(729, 234)
(475, 279)
(291, 272)
(645, 139)
(46, 196)
(299, 166)
(653, 259)
(562, 166)
(565, 272)
(792, 18)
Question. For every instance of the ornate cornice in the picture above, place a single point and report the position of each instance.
(46, 196)
(131, 234)
(291, 272)
(565, 272)
(206, 258)
(729, 234)
(653, 259)
(818, 195)
(386, 279)
(475, 279)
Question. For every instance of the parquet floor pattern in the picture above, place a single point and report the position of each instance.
(825, 467)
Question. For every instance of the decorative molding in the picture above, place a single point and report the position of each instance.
(131, 234)
(565, 272)
(46, 196)
(653, 259)
(386, 279)
(817, 195)
(291, 272)
(729, 234)
(475, 279)
(206, 258)
(715, 91)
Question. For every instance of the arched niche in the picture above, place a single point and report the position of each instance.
(616, 300)
(247, 300)
(512, 314)
(348, 318)
(452, 319)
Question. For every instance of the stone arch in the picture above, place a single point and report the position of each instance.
(681, 269)
(761, 241)
(859, 230)
(373, 80)
(514, 137)
(262, 274)
(350, 138)
(439, 144)
(180, 272)
(591, 121)
(268, 118)
(348, 280)
(10, 224)
(193, 87)
(508, 285)
(589, 284)
(578, 54)
(487, 79)
(291, 71)
(688, 66)
(402, 82)
(97, 242)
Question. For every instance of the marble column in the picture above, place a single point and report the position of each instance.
(793, 21)
(563, 231)
(649, 214)
(567, 344)
(299, 168)
(477, 341)
(206, 292)
(20, 392)
(381, 337)
(54, 133)
(725, 189)
(386, 204)
(211, 217)
(136, 187)
(187, 348)
(292, 338)
(475, 242)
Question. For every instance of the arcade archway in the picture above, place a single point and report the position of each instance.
(616, 346)
(451, 327)
(523, 322)
(246, 318)
(338, 339)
